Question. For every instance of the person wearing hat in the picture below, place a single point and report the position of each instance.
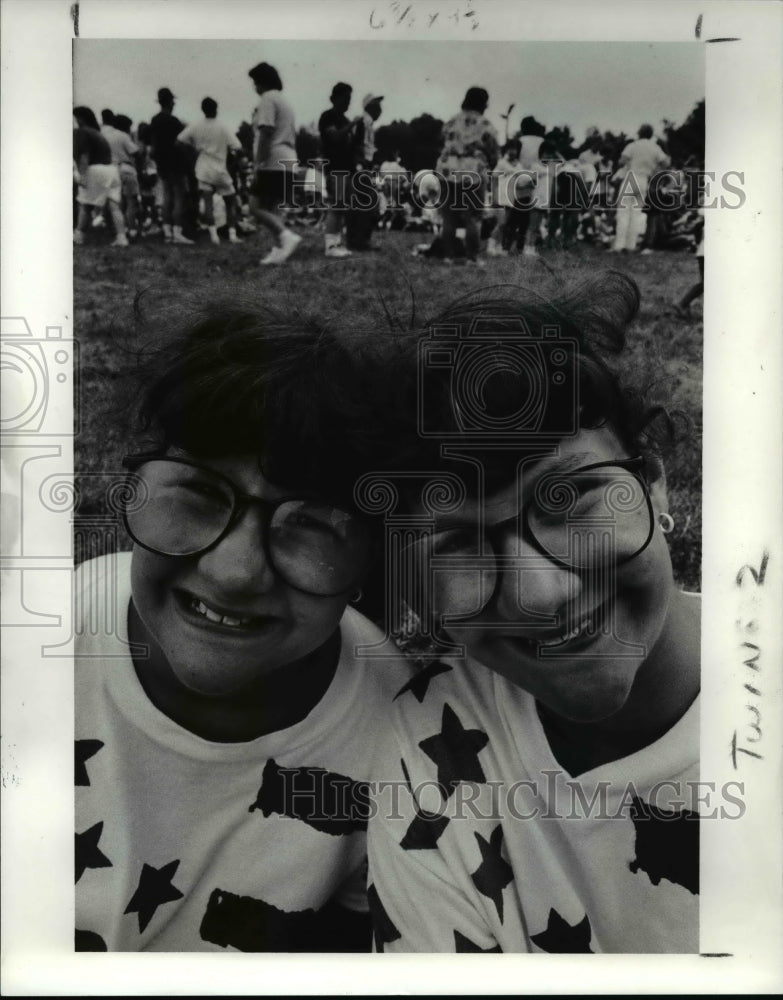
(172, 164)
(274, 154)
(364, 215)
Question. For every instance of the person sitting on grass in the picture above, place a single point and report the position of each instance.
(548, 754)
(213, 140)
(226, 719)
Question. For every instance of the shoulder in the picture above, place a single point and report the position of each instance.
(376, 656)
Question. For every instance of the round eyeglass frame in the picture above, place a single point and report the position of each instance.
(632, 465)
(240, 501)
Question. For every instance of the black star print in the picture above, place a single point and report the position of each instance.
(424, 831)
(384, 930)
(455, 751)
(494, 873)
(153, 890)
(561, 938)
(667, 844)
(88, 854)
(463, 944)
(84, 749)
(419, 683)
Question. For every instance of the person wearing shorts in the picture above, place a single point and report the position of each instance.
(124, 152)
(274, 154)
(213, 140)
(98, 179)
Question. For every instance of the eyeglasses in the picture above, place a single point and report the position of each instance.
(588, 519)
(175, 507)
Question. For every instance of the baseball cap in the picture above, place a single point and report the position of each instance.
(164, 94)
(369, 98)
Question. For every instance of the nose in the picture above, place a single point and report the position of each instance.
(532, 585)
(239, 563)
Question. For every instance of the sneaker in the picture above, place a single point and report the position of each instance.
(288, 242)
(233, 238)
(78, 237)
(180, 238)
(121, 240)
(275, 256)
(338, 253)
(246, 227)
(530, 252)
(213, 236)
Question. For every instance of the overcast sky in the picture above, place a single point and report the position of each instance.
(614, 85)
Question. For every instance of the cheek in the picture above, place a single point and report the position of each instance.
(314, 618)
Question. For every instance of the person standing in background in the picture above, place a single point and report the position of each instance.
(97, 178)
(213, 140)
(470, 151)
(363, 216)
(274, 157)
(338, 140)
(639, 160)
(125, 153)
(172, 167)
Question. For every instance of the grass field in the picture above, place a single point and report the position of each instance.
(662, 350)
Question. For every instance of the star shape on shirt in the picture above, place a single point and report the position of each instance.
(424, 831)
(561, 938)
(88, 854)
(455, 750)
(384, 931)
(463, 945)
(420, 682)
(84, 749)
(494, 873)
(154, 889)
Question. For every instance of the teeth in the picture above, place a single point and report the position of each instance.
(558, 639)
(219, 619)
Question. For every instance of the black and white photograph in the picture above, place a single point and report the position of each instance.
(391, 461)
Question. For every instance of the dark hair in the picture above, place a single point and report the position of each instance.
(243, 379)
(86, 116)
(512, 144)
(340, 89)
(421, 409)
(266, 75)
(476, 99)
(645, 131)
(107, 116)
(123, 123)
(209, 107)
(546, 150)
(529, 126)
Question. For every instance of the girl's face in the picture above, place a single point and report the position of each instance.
(225, 619)
(573, 638)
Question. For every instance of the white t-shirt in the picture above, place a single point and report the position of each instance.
(213, 140)
(643, 157)
(512, 859)
(187, 845)
(121, 145)
(273, 111)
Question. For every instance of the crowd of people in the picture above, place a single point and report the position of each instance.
(482, 198)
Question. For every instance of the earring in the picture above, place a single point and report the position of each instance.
(666, 522)
(356, 596)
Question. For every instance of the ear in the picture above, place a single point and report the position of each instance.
(656, 479)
